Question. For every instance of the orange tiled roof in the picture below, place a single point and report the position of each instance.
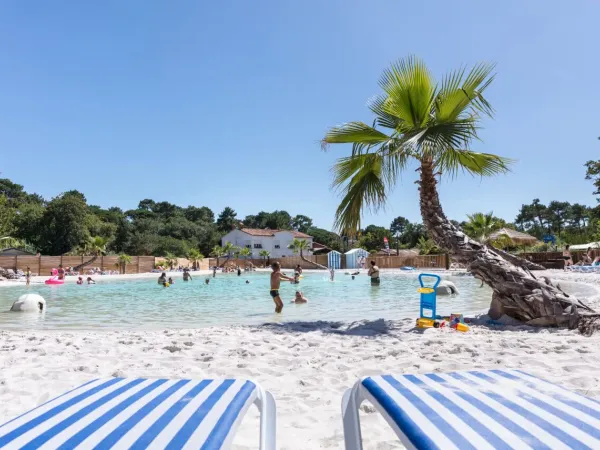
(268, 232)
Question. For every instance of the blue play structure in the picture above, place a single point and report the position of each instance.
(549, 239)
(428, 296)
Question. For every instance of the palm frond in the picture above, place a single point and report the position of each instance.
(459, 95)
(365, 187)
(383, 119)
(355, 133)
(451, 161)
(410, 90)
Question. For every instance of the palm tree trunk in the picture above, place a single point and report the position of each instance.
(81, 266)
(516, 292)
(303, 258)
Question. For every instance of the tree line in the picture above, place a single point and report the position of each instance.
(67, 224)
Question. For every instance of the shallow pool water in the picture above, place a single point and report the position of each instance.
(228, 300)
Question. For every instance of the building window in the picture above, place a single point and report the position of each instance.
(248, 246)
(257, 245)
(277, 246)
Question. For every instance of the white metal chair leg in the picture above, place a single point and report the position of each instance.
(350, 404)
(268, 421)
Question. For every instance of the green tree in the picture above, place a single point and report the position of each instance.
(245, 252)
(217, 252)
(7, 216)
(593, 173)
(62, 226)
(194, 256)
(227, 220)
(122, 262)
(480, 226)
(264, 254)
(299, 246)
(301, 223)
(434, 124)
(170, 260)
(398, 225)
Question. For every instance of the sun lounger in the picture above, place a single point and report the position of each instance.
(477, 409)
(584, 269)
(136, 413)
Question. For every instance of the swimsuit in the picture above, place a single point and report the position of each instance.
(375, 280)
(274, 293)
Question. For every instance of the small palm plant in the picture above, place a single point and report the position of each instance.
(194, 256)
(217, 252)
(480, 226)
(245, 252)
(170, 260)
(122, 262)
(265, 254)
(299, 246)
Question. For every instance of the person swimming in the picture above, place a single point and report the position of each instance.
(247, 281)
(187, 275)
(206, 280)
(90, 281)
(79, 280)
(171, 281)
(163, 278)
(300, 298)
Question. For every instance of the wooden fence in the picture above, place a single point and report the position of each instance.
(43, 265)
(384, 262)
(555, 260)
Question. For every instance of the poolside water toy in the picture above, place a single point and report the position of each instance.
(29, 303)
(427, 313)
(54, 278)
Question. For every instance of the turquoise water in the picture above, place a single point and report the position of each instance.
(142, 303)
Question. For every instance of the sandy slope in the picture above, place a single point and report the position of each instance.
(306, 366)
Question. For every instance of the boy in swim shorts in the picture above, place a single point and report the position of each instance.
(276, 277)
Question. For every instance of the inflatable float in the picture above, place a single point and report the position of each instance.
(54, 278)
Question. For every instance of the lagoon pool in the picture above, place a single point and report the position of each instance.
(228, 300)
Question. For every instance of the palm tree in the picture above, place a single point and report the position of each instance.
(244, 252)
(299, 246)
(170, 260)
(229, 249)
(480, 226)
(217, 252)
(95, 246)
(195, 257)
(265, 255)
(122, 262)
(434, 125)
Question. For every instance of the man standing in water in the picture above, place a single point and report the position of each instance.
(276, 278)
(374, 273)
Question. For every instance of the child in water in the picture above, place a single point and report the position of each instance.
(90, 281)
(300, 298)
(79, 280)
(171, 281)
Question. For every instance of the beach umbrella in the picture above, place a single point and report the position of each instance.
(516, 236)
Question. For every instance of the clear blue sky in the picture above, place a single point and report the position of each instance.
(223, 103)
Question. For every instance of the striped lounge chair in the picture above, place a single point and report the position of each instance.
(487, 409)
(138, 413)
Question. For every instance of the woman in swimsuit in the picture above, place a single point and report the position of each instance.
(567, 257)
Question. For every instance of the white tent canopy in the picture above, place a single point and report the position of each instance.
(585, 246)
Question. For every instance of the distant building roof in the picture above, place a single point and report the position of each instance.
(354, 250)
(268, 232)
(11, 251)
(320, 248)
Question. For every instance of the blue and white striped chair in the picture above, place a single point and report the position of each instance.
(479, 409)
(137, 413)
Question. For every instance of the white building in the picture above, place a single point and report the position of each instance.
(276, 242)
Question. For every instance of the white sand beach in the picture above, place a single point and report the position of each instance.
(307, 366)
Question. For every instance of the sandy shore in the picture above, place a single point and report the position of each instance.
(307, 366)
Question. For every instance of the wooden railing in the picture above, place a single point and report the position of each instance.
(43, 265)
